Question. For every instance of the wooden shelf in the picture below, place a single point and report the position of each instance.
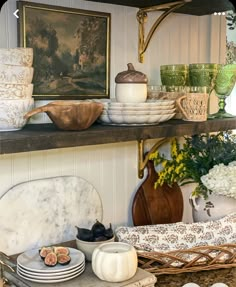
(47, 136)
(196, 7)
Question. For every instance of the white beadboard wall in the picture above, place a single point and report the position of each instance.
(112, 168)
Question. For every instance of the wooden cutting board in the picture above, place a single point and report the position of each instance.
(45, 211)
(156, 206)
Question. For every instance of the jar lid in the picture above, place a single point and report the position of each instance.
(131, 76)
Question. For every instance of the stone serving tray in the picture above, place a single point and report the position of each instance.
(45, 211)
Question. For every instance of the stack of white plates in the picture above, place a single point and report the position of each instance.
(147, 113)
(31, 267)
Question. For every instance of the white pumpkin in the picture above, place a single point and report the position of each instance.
(114, 261)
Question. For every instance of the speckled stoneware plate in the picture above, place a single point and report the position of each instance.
(31, 260)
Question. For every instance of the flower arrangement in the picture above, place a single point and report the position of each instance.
(226, 185)
(203, 159)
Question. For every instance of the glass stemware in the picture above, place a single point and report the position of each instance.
(225, 81)
(204, 74)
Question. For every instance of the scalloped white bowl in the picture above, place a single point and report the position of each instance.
(16, 91)
(12, 114)
(104, 118)
(13, 74)
(16, 56)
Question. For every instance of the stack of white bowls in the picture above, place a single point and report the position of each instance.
(16, 88)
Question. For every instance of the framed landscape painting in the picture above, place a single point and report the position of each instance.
(71, 50)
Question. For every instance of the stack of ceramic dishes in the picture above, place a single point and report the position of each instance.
(31, 267)
(16, 88)
(147, 113)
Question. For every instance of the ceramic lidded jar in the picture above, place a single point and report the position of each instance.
(131, 86)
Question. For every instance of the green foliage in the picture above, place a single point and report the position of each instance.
(198, 154)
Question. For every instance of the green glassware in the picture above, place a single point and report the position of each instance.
(225, 81)
(174, 75)
(203, 74)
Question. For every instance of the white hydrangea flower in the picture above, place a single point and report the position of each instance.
(221, 179)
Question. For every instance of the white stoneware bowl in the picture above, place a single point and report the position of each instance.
(12, 113)
(150, 104)
(12, 74)
(17, 56)
(16, 91)
(104, 118)
(116, 118)
(88, 247)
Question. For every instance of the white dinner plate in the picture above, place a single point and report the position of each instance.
(128, 125)
(32, 261)
(51, 280)
(49, 275)
(156, 103)
(140, 112)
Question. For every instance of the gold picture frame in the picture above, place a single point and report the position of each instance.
(71, 50)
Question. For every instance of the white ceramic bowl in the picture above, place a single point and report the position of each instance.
(12, 113)
(104, 118)
(148, 104)
(12, 74)
(116, 118)
(17, 56)
(164, 118)
(140, 112)
(88, 247)
(136, 119)
(16, 91)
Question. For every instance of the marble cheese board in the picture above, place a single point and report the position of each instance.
(45, 211)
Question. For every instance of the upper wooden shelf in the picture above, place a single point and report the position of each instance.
(47, 136)
(196, 7)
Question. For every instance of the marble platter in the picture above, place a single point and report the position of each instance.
(46, 212)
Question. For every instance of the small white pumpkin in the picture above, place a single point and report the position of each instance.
(114, 261)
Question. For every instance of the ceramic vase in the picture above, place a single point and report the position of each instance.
(213, 208)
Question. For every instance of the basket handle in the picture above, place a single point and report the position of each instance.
(179, 104)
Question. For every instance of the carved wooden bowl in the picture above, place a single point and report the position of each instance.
(70, 115)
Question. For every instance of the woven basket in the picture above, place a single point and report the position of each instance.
(189, 260)
(193, 106)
